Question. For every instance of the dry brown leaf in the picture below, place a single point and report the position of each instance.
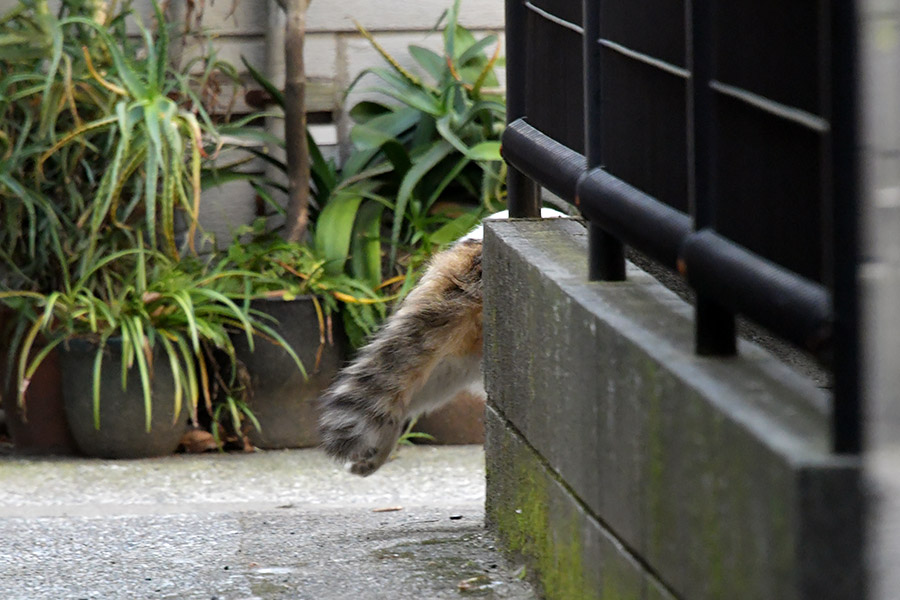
(196, 441)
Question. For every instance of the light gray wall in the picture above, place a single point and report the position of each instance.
(880, 273)
(335, 52)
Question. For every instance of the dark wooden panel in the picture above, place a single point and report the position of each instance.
(772, 48)
(768, 186)
(653, 27)
(554, 97)
(644, 130)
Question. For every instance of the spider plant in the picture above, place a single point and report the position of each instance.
(289, 269)
(95, 144)
(144, 299)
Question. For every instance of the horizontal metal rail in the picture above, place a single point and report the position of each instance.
(795, 308)
(789, 305)
(553, 165)
(639, 220)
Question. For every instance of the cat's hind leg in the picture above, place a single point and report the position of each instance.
(363, 412)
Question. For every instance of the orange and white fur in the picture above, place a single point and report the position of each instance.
(427, 352)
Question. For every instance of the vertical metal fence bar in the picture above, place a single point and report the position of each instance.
(606, 261)
(847, 415)
(606, 258)
(715, 330)
(523, 196)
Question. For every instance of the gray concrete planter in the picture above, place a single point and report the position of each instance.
(284, 403)
(122, 432)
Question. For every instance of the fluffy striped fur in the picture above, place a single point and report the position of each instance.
(427, 352)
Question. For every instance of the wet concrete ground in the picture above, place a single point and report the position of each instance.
(269, 525)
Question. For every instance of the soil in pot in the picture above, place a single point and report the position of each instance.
(123, 432)
(281, 399)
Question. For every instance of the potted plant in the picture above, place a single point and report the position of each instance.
(102, 155)
(319, 316)
(420, 174)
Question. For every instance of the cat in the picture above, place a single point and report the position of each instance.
(426, 352)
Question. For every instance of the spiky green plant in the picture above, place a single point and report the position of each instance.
(95, 145)
(424, 167)
(103, 145)
(147, 299)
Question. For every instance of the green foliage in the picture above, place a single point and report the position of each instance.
(103, 148)
(287, 270)
(422, 172)
(96, 146)
(408, 437)
(442, 141)
(146, 299)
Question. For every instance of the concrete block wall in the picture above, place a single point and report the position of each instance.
(622, 466)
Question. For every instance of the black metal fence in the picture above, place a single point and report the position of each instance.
(717, 138)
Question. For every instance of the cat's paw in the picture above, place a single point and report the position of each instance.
(367, 464)
(360, 439)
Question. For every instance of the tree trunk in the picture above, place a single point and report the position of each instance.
(295, 120)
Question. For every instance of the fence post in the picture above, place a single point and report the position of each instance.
(523, 195)
(847, 416)
(606, 253)
(715, 330)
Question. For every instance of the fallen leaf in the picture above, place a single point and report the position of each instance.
(196, 441)
(475, 584)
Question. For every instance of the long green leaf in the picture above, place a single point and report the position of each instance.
(177, 375)
(96, 383)
(136, 330)
(423, 164)
(365, 252)
(431, 61)
(334, 229)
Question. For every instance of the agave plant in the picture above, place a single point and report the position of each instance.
(442, 140)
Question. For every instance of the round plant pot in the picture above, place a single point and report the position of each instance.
(123, 431)
(460, 421)
(40, 427)
(284, 403)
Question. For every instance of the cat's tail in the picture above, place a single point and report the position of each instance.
(365, 409)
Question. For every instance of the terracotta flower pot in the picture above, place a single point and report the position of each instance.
(40, 427)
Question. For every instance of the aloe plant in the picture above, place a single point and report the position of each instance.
(97, 145)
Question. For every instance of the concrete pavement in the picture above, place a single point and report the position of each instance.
(268, 525)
